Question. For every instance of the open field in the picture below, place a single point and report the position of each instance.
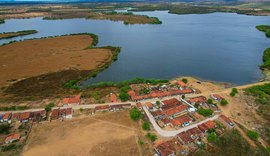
(50, 62)
(104, 134)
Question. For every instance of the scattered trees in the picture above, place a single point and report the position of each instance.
(234, 92)
(151, 136)
(146, 126)
(135, 114)
(4, 129)
(253, 135)
(223, 102)
(210, 101)
(205, 112)
(185, 80)
(212, 137)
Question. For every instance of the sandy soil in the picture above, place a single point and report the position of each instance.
(105, 134)
(35, 57)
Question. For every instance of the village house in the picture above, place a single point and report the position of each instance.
(181, 121)
(190, 136)
(72, 100)
(65, 113)
(177, 111)
(182, 84)
(12, 138)
(171, 103)
(204, 127)
(126, 106)
(197, 100)
(139, 105)
(24, 117)
(226, 121)
(158, 114)
(165, 122)
(149, 106)
(15, 116)
(102, 108)
(216, 97)
(116, 107)
(38, 115)
(6, 117)
(54, 114)
(164, 149)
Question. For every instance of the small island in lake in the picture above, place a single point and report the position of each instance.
(7, 35)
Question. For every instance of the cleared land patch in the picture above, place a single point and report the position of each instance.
(105, 134)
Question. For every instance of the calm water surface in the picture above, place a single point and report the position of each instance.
(221, 47)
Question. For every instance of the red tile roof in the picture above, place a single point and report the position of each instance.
(16, 116)
(6, 116)
(12, 137)
(104, 107)
(25, 116)
(55, 113)
(165, 149)
(199, 99)
(195, 131)
(139, 105)
(175, 110)
(149, 104)
(217, 96)
(72, 100)
(65, 111)
(226, 119)
(165, 121)
(207, 125)
(171, 103)
(182, 84)
(185, 137)
(157, 113)
(181, 120)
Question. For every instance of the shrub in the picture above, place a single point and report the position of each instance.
(4, 129)
(185, 80)
(49, 107)
(205, 112)
(124, 96)
(10, 147)
(210, 101)
(212, 137)
(146, 126)
(253, 135)
(141, 142)
(135, 114)
(232, 94)
(95, 95)
(223, 102)
(151, 136)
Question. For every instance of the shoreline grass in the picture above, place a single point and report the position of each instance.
(18, 33)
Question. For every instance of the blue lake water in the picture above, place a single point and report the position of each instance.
(224, 47)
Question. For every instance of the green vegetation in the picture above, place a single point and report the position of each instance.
(123, 96)
(2, 21)
(135, 114)
(232, 143)
(141, 142)
(10, 147)
(223, 102)
(9, 108)
(4, 129)
(49, 107)
(146, 126)
(262, 94)
(95, 95)
(18, 33)
(144, 91)
(209, 101)
(266, 53)
(151, 136)
(253, 135)
(185, 80)
(205, 112)
(128, 82)
(212, 137)
(234, 92)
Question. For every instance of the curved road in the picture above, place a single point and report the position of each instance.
(175, 132)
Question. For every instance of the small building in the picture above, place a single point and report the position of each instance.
(55, 114)
(24, 117)
(226, 120)
(72, 100)
(166, 122)
(116, 107)
(139, 105)
(102, 108)
(171, 103)
(11, 138)
(65, 113)
(181, 121)
(204, 127)
(126, 106)
(6, 117)
(181, 84)
(216, 97)
(197, 100)
(15, 116)
(177, 111)
(165, 149)
(158, 114)
(149, 105)
(38, 115)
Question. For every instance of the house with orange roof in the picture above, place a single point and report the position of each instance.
(25, 117)
(165, 122)
(226, 120)
(204, 127)
(216, 97)
(165, 149)
(55, 114)
(65, 113)
(181, 121)
(15, 116)
(158, 114)
(132, 94)
(11, 138)
(170, 103)
(6, 117)
(198, 100)
(102, 108)
(139, 105)
(72, 100)
(37, 116)
(149, 105)
(181, 84)
(177, 111)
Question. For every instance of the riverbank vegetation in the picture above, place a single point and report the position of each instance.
(7, 35)
(2, 21)
(266, 53)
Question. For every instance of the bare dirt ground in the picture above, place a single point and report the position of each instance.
(112, 134)
(35, 57)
